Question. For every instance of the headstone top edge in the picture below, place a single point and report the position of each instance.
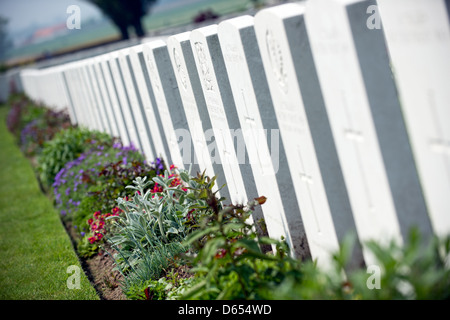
(156, 44)
(136, 48)
(206, 32)
(179, 37)
(238, 22)
(283, 11)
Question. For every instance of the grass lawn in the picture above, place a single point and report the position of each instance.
(35, 250)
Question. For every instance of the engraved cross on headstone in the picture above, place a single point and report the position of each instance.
(250, 120)
(356, 136)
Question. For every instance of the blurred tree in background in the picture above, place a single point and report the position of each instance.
(125, 14)
(5, 40)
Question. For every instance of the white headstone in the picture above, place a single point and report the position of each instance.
(257, 118)
(366, 120)
(113, 99)
(182, 58)
(305, 130)
(64, 100)
(418, 38)
(86, 107)
(145, 138)
(69, 73)
(97, 97)
(150, 110)
(105, 97)
(123, 99)
(170, 107)
(224, 119)
(69, 95)
(91, 97)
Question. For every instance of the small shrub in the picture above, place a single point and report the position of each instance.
(67, 145)
(22, 112)
(42, 129)
(154, 223)
(91, 183)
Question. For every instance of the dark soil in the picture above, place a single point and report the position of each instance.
(105, 279)
(99, 270)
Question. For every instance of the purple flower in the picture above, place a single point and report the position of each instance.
(124, 160)
(83, 233)
(67, 191)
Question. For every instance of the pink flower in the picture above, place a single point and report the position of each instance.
(116, 210)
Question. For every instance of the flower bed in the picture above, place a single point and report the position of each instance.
(170, 237)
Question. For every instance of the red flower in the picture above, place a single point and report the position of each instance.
(190, 214)
(220, 253)
(90, 221)
(91, 240)
(116, 210)
(99, 236)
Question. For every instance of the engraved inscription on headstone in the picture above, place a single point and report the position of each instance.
(194, 104)
(418, 38)
(219, 122)
(305, 130)
(366, 120)
(247, 79)
(169, 103)
(224, 119)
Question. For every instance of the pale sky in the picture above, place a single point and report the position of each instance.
(23, 13)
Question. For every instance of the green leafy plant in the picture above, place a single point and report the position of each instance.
(66, 145)
(22, 112)
(418, 270)
(229, 264)
(41, 129)
(155, 221)
(80, 188)
(229, 259)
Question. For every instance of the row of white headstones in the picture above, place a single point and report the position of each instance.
(340, 121)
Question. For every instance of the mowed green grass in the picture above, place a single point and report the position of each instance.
(35, 250)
